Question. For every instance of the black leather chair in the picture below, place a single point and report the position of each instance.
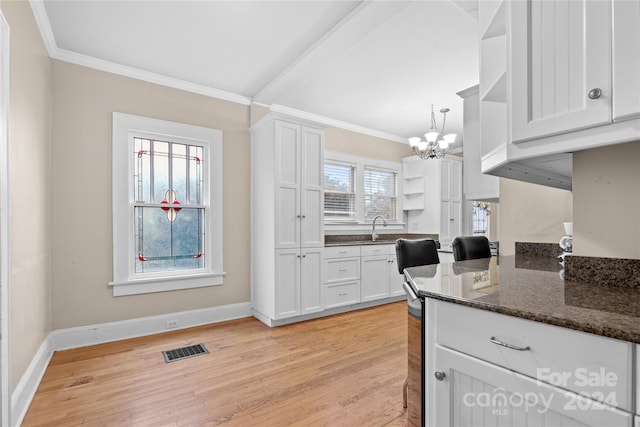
(470, 247)
(410, 253)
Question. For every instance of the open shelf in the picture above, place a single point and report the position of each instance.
(497, 92)
(497, 24)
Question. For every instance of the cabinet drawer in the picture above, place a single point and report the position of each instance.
(369, 250)
(341, 251)
(598, 366)
(336, 295)
(341, 269)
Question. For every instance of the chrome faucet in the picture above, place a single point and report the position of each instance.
(374, 235)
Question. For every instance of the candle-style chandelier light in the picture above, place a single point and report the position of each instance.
(435, 145)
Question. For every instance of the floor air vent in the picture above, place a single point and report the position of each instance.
(184, 352)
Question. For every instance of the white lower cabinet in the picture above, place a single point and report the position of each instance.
(342, 276)
(299, 284)
(490, 369)
(472, 392)
(379, 273)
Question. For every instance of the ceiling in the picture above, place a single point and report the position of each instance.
(374, 66)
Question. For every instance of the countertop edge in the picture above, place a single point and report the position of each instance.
(604, 331)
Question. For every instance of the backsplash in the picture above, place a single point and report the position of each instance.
(604, 271)
(549, 250)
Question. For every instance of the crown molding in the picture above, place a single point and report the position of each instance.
(42, 20)
(64, 55)
(336, 123)
(135, 73)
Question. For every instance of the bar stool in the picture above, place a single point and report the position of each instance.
(470, 247)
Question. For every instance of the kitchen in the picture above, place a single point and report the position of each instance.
(66, 288)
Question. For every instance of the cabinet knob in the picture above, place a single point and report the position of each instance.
(439, 375)
(595, 93)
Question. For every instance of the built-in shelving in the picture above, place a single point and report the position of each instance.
(493, 75)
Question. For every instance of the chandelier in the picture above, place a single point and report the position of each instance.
(436, 145)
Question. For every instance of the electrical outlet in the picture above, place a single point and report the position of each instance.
(172, 324)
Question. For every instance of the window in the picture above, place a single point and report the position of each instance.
(167, 205)
(339, 191)
(358, 188)
(379, 193)
(480, 217)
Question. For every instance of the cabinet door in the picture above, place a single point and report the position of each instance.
(311, 281)
(476, 393)
(312, 191)
(287, 283)
(395, 279)
(626, 59)
(446, 224)
(288, 180)
(560, 51)
(374, 282)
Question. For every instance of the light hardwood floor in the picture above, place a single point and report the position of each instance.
(344, 370)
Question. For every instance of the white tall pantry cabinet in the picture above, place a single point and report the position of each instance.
(287, 223)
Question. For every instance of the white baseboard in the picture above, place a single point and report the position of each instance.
(64, 339)
(83, 336)
(26, 388)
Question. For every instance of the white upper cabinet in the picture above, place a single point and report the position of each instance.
(300, 197)
(312, 188)
(477, 186)
(572, 83)
(560, 65)
(626, 59)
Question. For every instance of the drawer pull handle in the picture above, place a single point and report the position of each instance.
(342, 252)
(342, 270)
(344, 294)
(439, 375)
(511, 346)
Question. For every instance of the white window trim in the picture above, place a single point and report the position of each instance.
(125, 282)
(359, 223)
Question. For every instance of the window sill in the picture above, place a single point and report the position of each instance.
(163, 284)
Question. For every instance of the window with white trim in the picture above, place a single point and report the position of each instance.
(379, 193)
(167, 205)
(339, 191)
(358, 188)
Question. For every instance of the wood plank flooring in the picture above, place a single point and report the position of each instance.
(343, 370)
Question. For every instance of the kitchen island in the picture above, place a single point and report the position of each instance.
(507, 341)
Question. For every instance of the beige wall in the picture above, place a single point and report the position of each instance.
(606, 196)
(531, 213)
(30, 188)
(83, 101)
(337, 139)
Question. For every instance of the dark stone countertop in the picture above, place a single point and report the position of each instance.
(531, 287)
(365, 239)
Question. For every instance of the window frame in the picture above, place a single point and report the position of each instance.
(353, 170)
(125, 280)
(360, 162)
(369, 167)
